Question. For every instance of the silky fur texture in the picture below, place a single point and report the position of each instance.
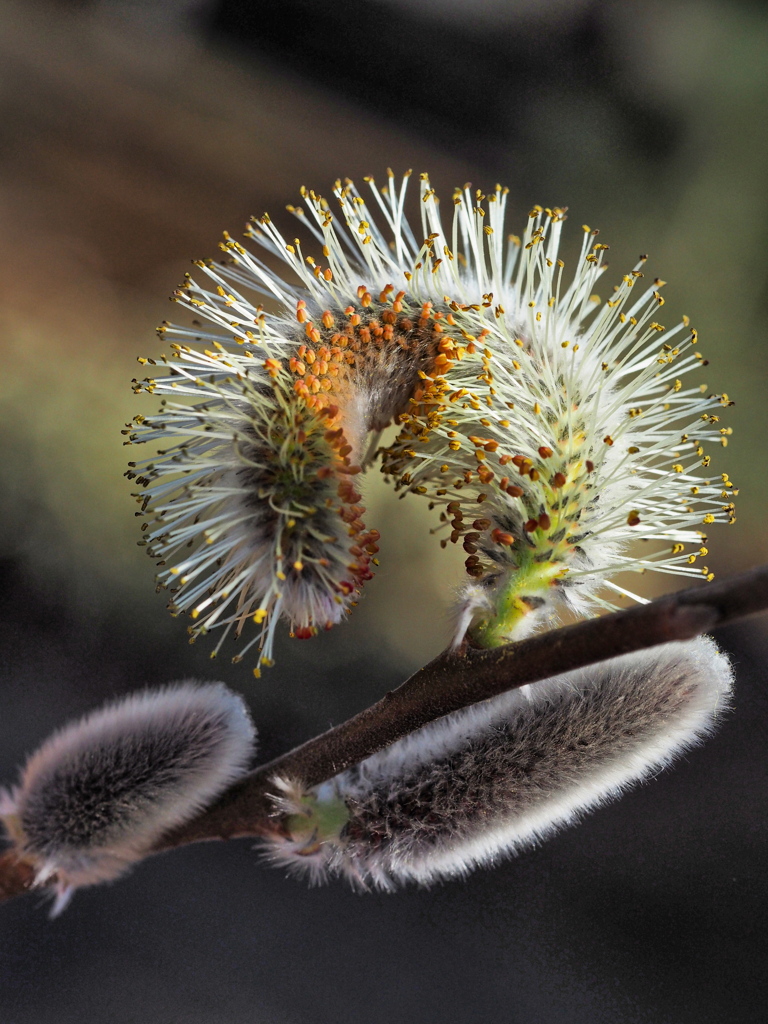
(483, 783)
(98, 793)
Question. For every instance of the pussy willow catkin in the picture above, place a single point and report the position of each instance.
(551, 429)
(485, 782)
(97, 794)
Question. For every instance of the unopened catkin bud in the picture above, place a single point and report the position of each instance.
(484, 782)
(98, 793)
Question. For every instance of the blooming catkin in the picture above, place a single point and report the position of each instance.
(550, 428)
(484, 782)
(98, 793)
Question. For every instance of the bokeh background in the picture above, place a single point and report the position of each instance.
(131, 133)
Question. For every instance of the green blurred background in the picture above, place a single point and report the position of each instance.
(131, 135)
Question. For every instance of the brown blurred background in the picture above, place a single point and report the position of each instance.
(131, 134)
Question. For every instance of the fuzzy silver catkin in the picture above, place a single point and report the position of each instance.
(484, 782)
(98, 793)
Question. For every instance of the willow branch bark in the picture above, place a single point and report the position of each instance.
(450, 682)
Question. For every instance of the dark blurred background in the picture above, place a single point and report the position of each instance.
(131, 133)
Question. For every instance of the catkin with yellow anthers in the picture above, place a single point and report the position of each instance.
(452, 333)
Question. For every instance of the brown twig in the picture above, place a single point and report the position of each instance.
(450, 682)
(16, 876)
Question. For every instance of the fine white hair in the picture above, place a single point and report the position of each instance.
(482, 783)
(99, 792)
